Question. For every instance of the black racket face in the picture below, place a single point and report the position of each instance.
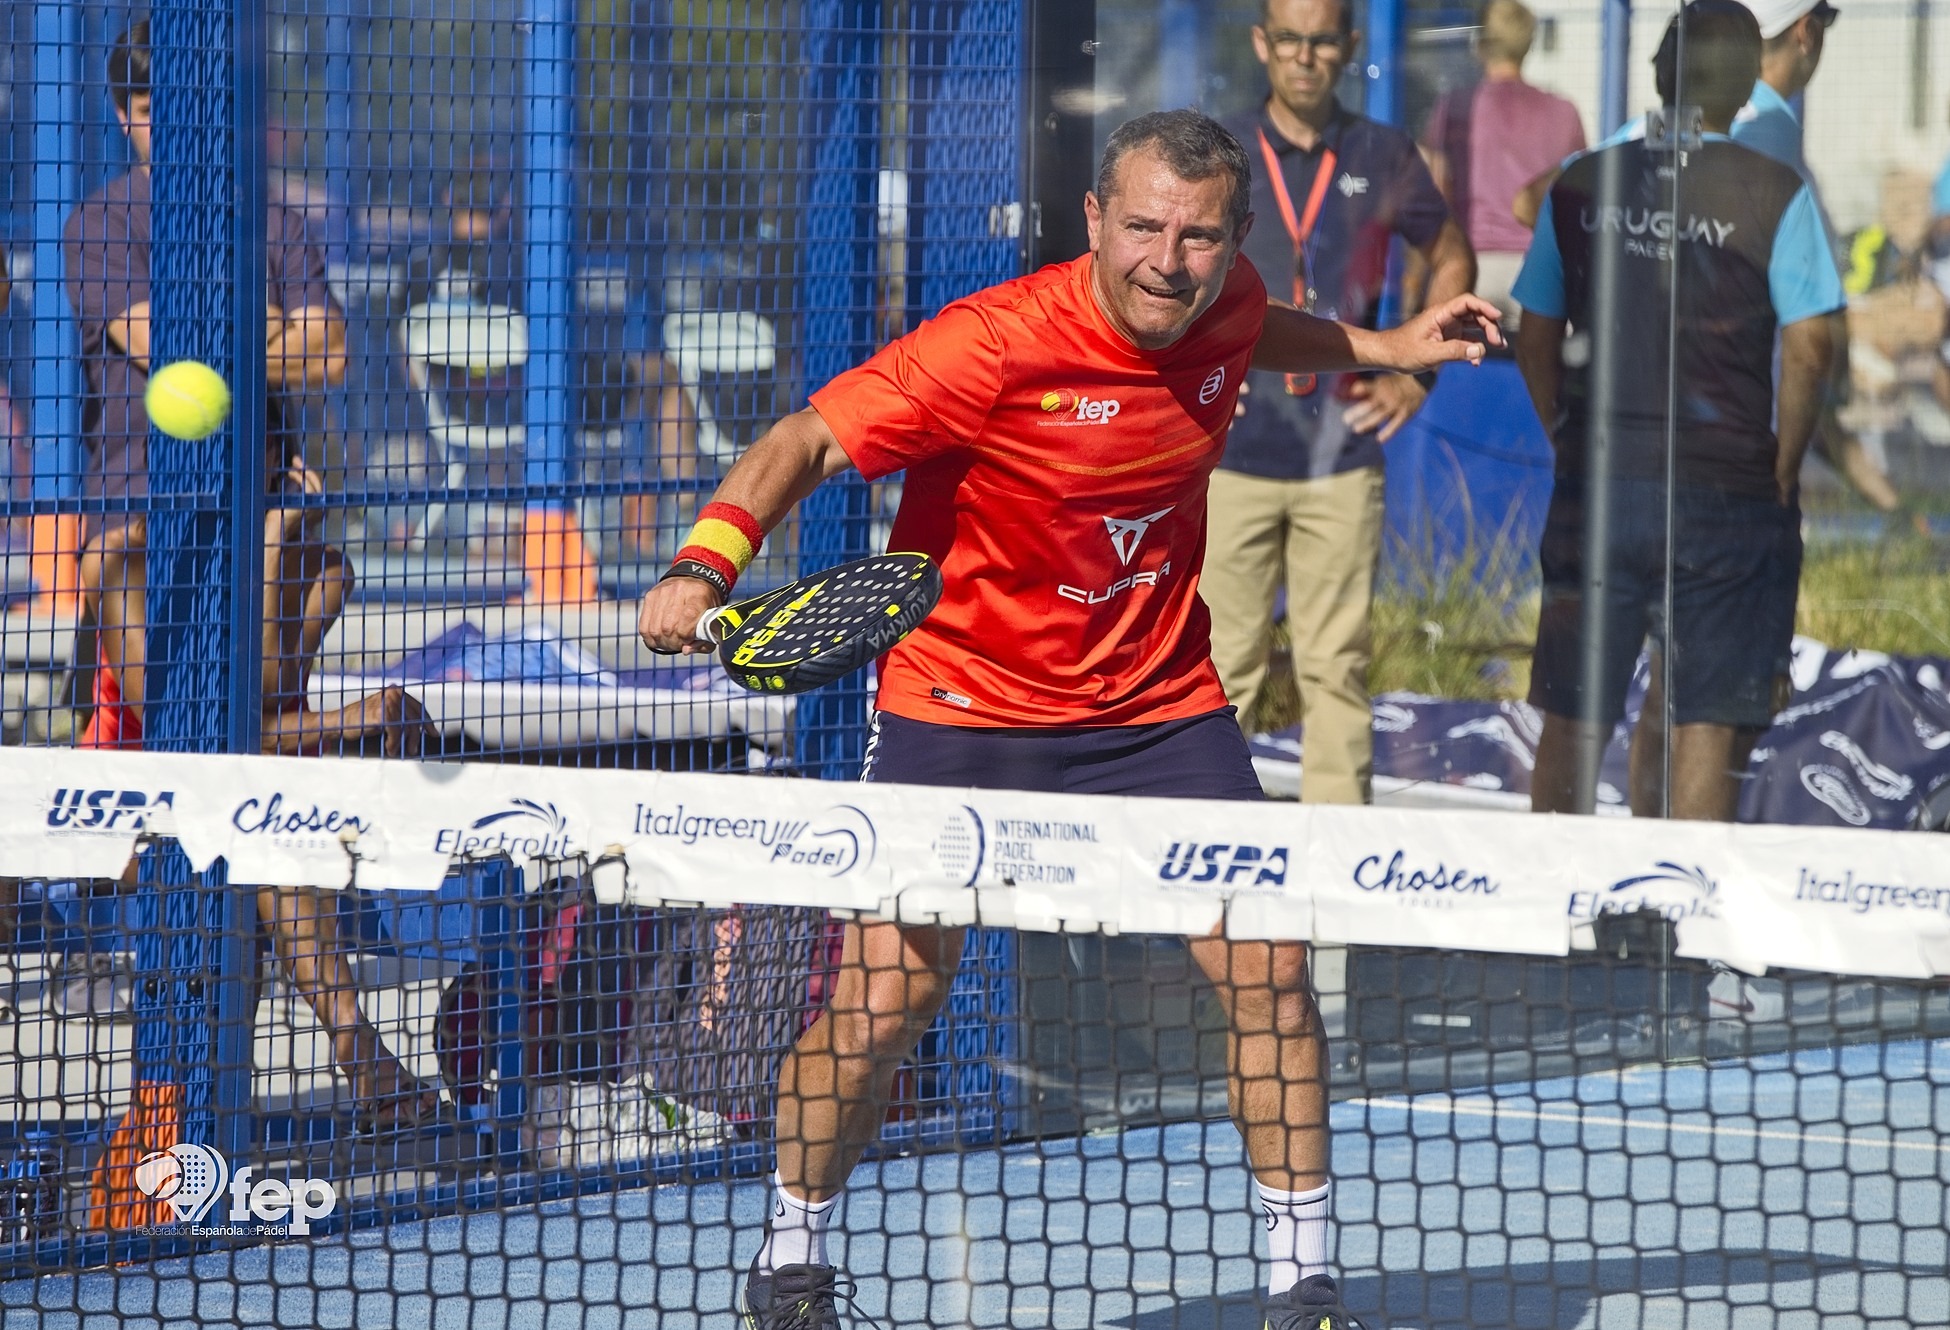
(822, 627)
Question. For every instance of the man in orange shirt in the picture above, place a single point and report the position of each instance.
(1057, 432)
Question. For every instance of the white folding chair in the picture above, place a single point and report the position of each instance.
(719, 343)
(461, 358)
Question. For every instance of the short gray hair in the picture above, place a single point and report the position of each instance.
(1194, 145)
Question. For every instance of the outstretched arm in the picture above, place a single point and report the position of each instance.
(1295, 343)
(783, 467)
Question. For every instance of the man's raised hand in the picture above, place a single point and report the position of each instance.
(1459, 329)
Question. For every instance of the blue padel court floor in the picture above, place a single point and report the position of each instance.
(1804, 1190)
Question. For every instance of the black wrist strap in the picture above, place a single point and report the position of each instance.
(703, 572)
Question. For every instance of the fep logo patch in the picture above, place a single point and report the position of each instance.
(1066, 407)
(190, 1179)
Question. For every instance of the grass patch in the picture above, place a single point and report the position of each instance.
(1892, 596)
(1439, 629)
(1446, 633)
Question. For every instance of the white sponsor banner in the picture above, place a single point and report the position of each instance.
(1829, 899)
(1421, 878)
(1039, 861)
(1190, 863)
(79, 813)
(717, 841)
(1833, 900)
(1612, 866)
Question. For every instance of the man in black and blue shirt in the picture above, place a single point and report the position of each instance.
(1743, 256)
(1298, 496)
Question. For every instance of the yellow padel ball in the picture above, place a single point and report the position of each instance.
(187, 400)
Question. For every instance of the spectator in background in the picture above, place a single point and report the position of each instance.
(1297, 497)
(1753, 259)
(619, 384)
(1793, 34)
(1486, 142)
(107, 247)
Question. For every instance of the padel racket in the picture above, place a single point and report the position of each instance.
(812, 631)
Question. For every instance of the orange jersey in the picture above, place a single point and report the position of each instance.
(1058, 474)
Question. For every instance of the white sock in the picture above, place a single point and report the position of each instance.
(1296, 1234)
(796, 1234)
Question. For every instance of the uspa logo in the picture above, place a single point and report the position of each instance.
(525, 829)
(960, 846)
(1678, 891)
(105, 812)
(190, 1179)
(1224, 864)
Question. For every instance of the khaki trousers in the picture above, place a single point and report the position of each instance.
(1323, 537)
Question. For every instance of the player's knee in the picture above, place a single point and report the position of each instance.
(1277, 999)
(336, 580)
(898, 1008)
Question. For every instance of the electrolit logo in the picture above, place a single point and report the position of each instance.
(525, 829)
(1677, 891)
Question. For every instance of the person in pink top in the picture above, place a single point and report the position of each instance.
(1488, 141)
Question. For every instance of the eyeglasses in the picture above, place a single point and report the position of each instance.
(1825, 14)
(1286, 45)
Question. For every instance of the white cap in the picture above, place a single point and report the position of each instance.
(1777, 16)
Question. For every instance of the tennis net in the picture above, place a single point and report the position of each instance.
(1579, 1074)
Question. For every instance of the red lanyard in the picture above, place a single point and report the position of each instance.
(1301, 228)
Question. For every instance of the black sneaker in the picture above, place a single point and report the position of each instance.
(1312, 1304)
(797, 1297)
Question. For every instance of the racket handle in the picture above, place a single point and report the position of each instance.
(707, 626)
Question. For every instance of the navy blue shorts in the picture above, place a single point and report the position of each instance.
(1204, 757)
(1736, 573)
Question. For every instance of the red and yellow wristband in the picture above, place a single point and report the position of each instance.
(720, 547)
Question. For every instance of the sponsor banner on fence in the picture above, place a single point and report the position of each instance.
(1188, 863)
(1487, 881)
(1838, 900)
(719, 841)
(1004, 857)
(1846, 902)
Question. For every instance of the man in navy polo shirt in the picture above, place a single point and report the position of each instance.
(1746, 258)
(1298, 496)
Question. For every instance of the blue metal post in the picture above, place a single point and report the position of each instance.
(547, 209)
(234, 937)
(841, 63)
(1386, 35)
(1181, 67)
(56, 394)
(1615, 68)
(339, 106)
(249, 272)
(1387, 32)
